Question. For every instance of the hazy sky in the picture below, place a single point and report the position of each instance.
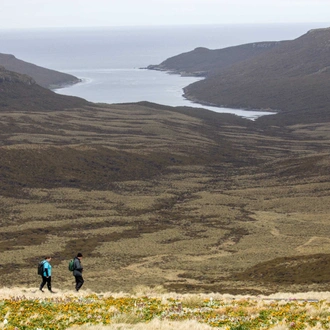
(79, 13)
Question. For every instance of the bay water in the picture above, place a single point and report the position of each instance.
(111, 61)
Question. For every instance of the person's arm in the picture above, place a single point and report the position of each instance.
(46, 266)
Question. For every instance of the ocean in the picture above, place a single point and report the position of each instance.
(111, 61)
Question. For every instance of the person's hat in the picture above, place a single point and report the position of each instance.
(79, 255)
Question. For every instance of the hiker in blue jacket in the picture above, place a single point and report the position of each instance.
(77, 271)
(47, 275)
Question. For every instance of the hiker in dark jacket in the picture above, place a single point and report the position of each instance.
(77, 271)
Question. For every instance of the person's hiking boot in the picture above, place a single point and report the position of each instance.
(51, 291)
(41, 290)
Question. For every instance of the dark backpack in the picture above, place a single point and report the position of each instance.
(71, 265)
(41, 267)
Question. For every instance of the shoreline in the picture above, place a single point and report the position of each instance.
(211, 106)
(68, 84)
(81, 89)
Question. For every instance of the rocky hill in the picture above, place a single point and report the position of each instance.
(44, 77)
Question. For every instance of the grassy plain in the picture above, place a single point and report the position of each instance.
(151, 195)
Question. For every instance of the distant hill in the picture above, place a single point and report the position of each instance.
(44, 77)
(202, 61)
(291, 77)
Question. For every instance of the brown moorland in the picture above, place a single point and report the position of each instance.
(153, 195)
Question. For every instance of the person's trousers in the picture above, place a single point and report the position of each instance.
(47, 280)
(79, 282)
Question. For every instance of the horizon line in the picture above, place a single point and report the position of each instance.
(160, 25)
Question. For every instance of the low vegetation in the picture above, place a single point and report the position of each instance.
(149, 309)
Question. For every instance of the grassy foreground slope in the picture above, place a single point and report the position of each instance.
(188, 199)
(28, 308)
